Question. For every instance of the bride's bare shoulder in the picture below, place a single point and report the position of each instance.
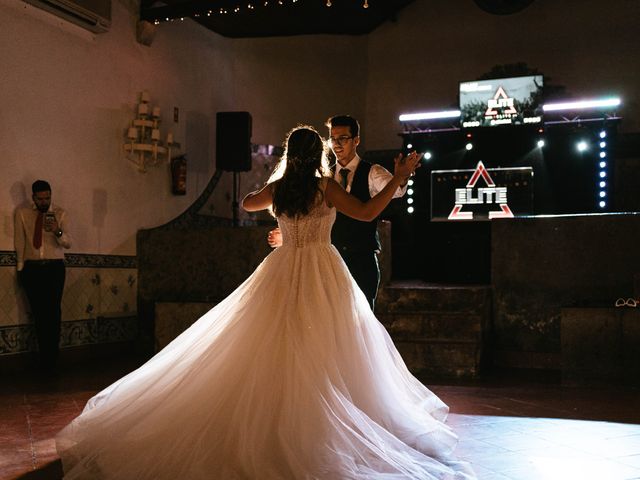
(329, 187)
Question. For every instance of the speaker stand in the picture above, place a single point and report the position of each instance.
(235, 205)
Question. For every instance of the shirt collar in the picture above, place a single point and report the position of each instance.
(352, 165)
(34, 207)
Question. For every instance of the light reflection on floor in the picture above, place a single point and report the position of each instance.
(525, 448)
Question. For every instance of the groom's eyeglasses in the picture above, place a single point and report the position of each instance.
(341, 140)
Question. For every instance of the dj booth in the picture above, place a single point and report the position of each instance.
(504, 154)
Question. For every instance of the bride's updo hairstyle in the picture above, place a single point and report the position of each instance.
(303, 164)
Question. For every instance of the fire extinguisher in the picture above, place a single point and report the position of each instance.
(179, 175)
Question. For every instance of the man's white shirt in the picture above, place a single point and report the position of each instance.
(378, 177)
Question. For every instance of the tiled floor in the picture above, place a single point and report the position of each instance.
(510, 428)
(536, 431)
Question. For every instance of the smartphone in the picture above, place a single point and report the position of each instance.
(49, 220)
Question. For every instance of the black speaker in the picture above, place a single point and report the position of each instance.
(233, 141)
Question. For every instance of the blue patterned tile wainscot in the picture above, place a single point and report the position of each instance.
(84, 260)
(21, 338)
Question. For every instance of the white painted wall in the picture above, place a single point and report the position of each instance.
(415, 64)
(67, 96)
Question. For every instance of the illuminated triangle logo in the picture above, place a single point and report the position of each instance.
(500, 100)
(464, 196)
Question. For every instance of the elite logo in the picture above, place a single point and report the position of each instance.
(500, 101)
(484, 195)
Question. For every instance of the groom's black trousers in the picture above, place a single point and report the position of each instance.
(363, 265)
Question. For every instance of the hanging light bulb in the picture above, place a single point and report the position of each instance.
(328, 3)
(366, 4)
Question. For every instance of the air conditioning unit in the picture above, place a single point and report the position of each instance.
(93, 15)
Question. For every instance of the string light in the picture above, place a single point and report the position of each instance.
(364, 5)
(602, 194)
(250, 6)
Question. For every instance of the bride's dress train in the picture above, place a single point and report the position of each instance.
(290, 377)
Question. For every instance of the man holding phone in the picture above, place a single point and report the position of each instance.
(40, 237)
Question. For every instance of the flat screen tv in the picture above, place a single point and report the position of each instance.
(501, 101)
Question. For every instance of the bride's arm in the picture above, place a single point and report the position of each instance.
(258, 200)
(367, 211)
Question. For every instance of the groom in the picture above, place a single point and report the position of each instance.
(356, 241)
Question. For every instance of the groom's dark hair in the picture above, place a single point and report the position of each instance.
(344, 121)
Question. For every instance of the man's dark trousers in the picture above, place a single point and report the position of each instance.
(43, 282)
(363, 266)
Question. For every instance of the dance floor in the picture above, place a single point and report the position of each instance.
(510, 427)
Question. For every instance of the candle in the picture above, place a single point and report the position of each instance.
(169, 138)
(144, 97)
(156, 112)
(132, 133)
(143, 109)
(155, 134)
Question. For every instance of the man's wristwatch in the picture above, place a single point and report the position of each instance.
(58, 233)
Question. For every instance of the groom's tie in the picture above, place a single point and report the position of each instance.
(344, 173)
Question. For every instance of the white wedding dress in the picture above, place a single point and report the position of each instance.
(291, 377)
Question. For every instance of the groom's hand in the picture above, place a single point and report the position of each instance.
(406, 166)
(274, 238)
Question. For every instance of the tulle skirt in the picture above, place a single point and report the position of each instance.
(290, 377)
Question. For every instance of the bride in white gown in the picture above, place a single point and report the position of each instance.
(291, 377)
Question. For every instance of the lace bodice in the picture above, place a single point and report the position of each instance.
(313, 228)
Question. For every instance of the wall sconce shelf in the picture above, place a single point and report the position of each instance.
(144, 147)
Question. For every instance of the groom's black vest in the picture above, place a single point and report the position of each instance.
(351, 234)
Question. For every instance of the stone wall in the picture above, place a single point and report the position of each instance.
(600, 344)
(541, 264)
(198, 267)
(440, 330)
